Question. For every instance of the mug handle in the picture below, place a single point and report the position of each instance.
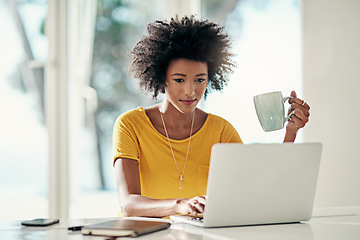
(287, 98)
(289, 116)
(292, 112)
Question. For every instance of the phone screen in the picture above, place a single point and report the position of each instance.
(40, 222)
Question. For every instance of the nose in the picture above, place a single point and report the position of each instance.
(190, 89)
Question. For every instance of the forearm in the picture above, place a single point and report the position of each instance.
(137, 205)
(129, 190)
(134, 204)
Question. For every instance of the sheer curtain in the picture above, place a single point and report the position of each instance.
(69, 28)
(82, 99)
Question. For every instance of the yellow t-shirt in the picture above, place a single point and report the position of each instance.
(135, 137)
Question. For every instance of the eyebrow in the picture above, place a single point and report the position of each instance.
(184, 75)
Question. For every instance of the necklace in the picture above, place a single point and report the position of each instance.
(181, 174)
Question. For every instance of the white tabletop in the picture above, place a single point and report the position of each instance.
(318, 228)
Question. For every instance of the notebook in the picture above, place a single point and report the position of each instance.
(259, 184)
(124, 228)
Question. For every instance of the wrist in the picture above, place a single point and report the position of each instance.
(179, 205)
(290, 135)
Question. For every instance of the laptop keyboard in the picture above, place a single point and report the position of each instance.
(198, 219)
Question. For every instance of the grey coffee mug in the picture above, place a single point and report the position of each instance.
(271, 111)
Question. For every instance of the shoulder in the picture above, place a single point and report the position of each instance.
(131, 114)
(226, 130)
(131, 118)
(218, 121)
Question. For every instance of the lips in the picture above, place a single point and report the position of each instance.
(188, 102)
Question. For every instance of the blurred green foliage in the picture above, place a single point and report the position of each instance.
(118, 27)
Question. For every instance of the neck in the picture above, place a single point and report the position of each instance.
(175, 118)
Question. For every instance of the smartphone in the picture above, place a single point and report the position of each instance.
(40, 222)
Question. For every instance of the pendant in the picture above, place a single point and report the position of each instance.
(181, 181)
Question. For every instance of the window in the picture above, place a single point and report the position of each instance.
(23, 141)
(110, 92)
(266, 40)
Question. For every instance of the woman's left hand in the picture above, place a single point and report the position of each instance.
(298, 119)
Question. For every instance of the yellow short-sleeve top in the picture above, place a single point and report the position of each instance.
(135, 137)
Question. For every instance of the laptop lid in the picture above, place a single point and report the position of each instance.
(261, 183)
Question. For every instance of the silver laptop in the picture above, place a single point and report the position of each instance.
(259, 184)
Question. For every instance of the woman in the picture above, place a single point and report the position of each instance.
(162, 153)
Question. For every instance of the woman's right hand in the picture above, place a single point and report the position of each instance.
(193, 206)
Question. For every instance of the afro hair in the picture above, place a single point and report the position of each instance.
(188, 38)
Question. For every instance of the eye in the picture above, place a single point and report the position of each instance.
(200, 80)
(179, 80)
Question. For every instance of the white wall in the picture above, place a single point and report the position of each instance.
(182, 8)
(331, 85)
